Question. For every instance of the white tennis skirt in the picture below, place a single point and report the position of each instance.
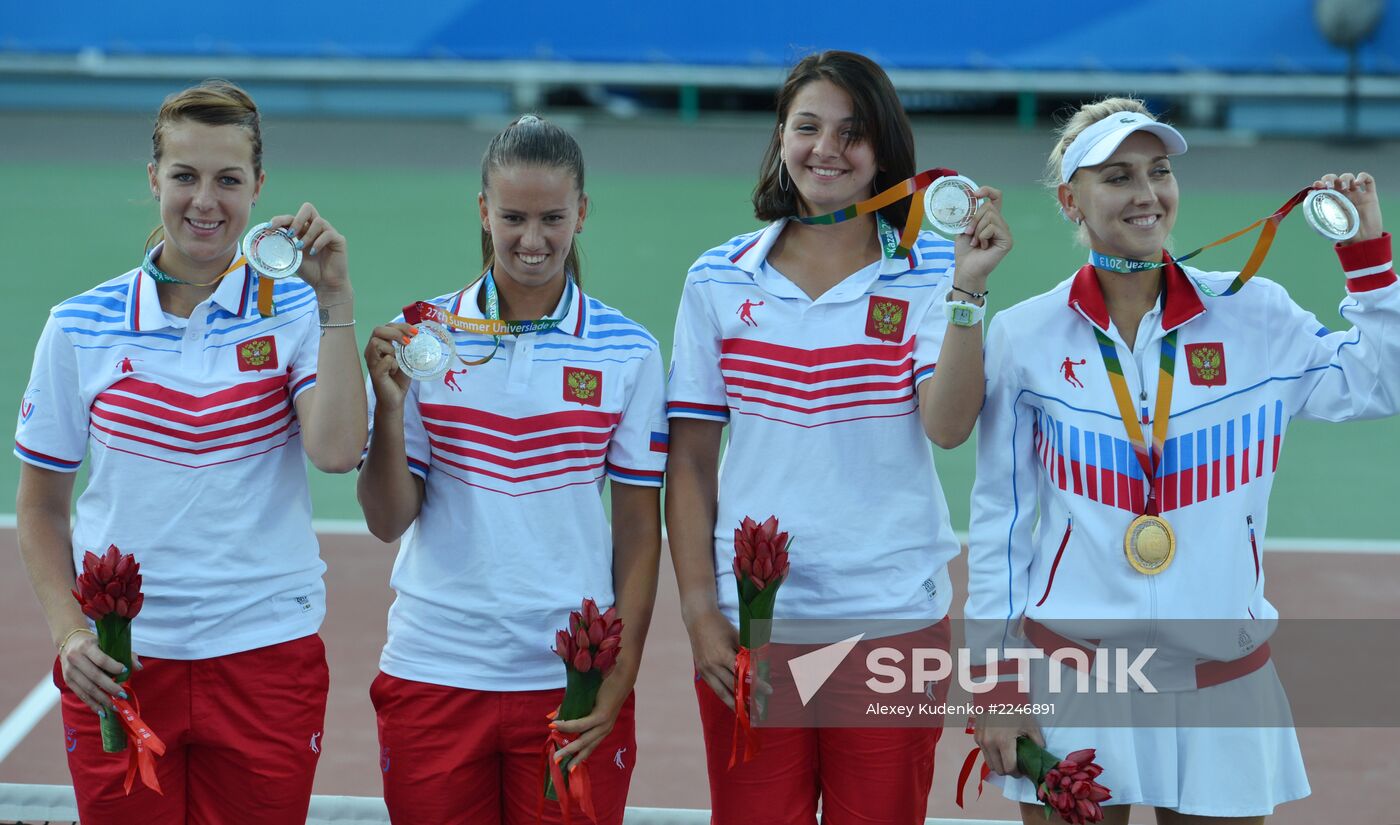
(1205, 771)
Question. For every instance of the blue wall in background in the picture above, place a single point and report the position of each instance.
(1146, 35)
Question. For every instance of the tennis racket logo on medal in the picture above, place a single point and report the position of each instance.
(1150, 541)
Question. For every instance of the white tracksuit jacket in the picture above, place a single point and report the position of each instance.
(1058, 484)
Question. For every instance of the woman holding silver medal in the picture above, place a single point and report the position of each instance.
(197, 406)
(491, 442)
(1135, 494)
(815, 340)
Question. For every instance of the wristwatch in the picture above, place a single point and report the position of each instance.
(964, 313)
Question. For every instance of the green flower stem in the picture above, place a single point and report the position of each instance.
(1035, 762)
(757, 606)
(580, 697)
(1032, 760)
(114, 639)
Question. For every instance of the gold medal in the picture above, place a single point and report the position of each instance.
(1149, 544)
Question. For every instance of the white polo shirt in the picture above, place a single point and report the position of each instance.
(512, 533)
(194, 455)
(824, 431)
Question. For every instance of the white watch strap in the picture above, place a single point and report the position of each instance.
(964, 313)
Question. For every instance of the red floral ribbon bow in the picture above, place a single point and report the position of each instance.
(967, 769)
(144, 745)
(745, 737)
(577, 789)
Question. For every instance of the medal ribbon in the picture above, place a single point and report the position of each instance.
(1166, 374)
(148, 266)
(143, 746)
(265, 309)
(1251, 266)
(894, 194)
(492, 324)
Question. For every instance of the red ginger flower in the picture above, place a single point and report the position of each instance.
(760, 552)
(1070, 790)
(110, 583)
(592, 640)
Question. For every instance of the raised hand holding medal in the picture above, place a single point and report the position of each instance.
(323, 263)
(955, 206)
(1345, 203)
(984, 240)
(307, 246)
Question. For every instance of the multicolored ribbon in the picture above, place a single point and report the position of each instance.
(1256, 257)
(492, 324)
(745, 737)
(894, 194)
(265, 286)
(576, 789)
(1166, 376)
(143, 746)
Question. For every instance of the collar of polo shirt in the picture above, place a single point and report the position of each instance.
(235, 293)
(465, 305)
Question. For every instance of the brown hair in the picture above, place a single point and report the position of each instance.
(213, 102)
(879, 118)
(530, 140)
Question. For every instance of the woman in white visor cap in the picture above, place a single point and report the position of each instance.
(1126, 450)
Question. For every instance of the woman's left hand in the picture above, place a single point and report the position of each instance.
(983, 244)
(324, 263)
(1360, 189)
(594, 727)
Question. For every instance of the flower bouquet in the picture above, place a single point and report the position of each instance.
(109, 592)
(760, 566)
(589, 648)
(1066, 787)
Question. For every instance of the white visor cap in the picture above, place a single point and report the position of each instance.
(1097, 143)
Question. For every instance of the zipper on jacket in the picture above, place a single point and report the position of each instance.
(1069, 528)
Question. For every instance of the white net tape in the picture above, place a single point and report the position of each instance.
(55, 804)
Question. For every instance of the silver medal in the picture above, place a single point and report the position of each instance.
(428, 354)
(949, 204)
(1332, 214)
(272, 251)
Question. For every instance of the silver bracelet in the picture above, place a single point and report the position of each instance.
(349, 323)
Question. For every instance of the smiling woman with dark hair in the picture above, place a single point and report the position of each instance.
(817, 345)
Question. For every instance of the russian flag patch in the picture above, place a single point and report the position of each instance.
(660, 442)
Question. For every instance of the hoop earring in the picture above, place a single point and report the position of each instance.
(782, 165)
